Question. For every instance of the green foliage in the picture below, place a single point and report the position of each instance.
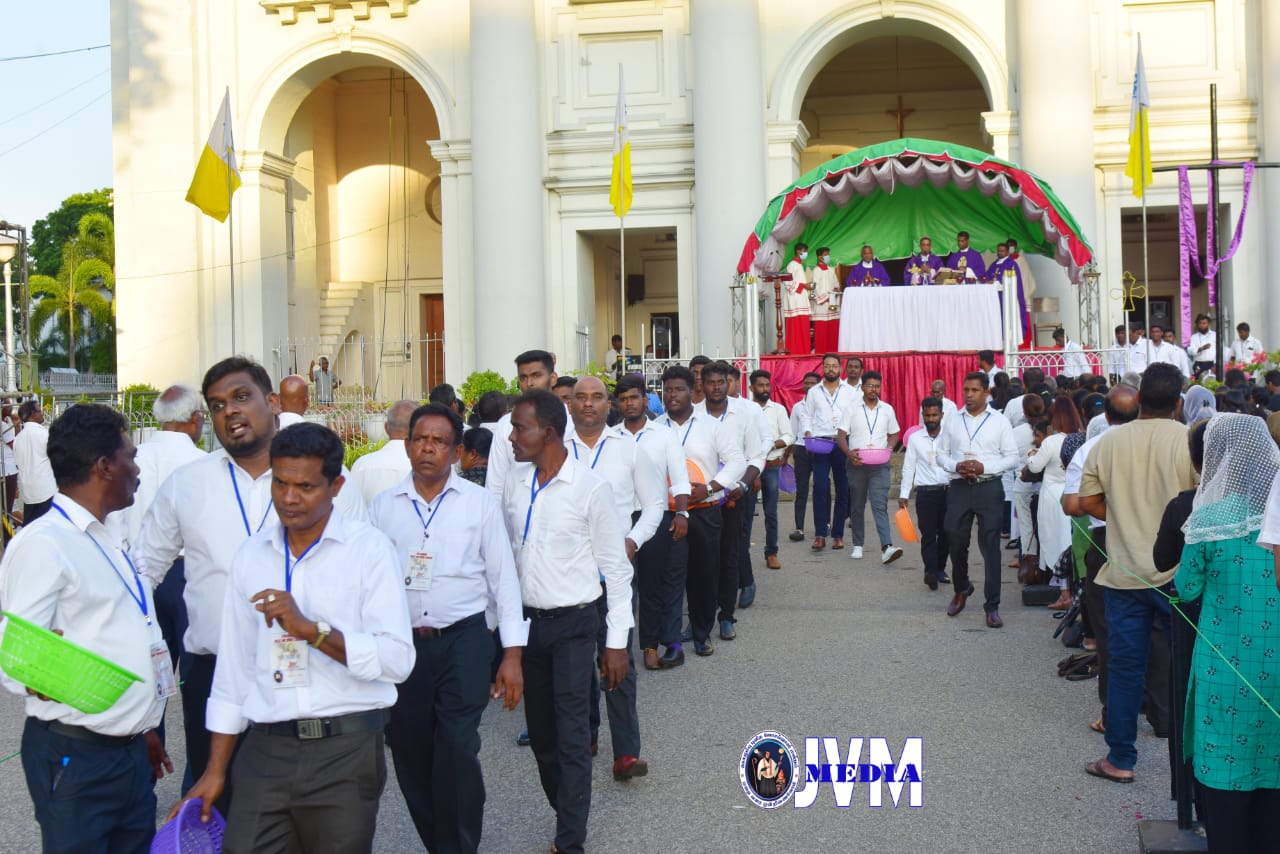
(357, 450)
(137, 399)
(600, 372)
(50, 234)
(481, 382)
(71, 308)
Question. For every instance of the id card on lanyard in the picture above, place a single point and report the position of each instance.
(421, 567)
(288, 653)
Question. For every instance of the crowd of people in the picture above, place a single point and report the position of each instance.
(316, 613)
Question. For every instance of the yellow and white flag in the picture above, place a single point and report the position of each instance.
(217, 176)
(1138, 169)
(620, 181)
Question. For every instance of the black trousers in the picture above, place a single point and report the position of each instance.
(703, 576)
(732, 531)
(931, 512)
(558, 661)
(1240, 822)
(661, 565)
(435, 735)
(314, 796)
(33, 511)
(620, 704)
(171, 610)
(196, 685)
(101, 801)
(985, 500)
(804, 471)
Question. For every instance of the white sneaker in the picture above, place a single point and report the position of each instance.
(856, 553)
(891, 553)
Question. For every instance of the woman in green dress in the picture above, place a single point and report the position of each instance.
(1232, 730)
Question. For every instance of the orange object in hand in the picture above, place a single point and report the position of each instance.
(905, 526)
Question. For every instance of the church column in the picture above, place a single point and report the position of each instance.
(508, 201)
(261, 268)
(1056, 79)
(728, 155)
(1269, 179)
(458, 249)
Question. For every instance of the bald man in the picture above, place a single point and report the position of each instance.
(294, 397)
(389, 465)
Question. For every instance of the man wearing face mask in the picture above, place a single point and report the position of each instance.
(826, 303)
(795, 304)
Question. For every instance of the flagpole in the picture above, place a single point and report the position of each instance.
(1146, 270)
(622, 287)
(231, 247)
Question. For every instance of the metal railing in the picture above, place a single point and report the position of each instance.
(1103, 362)
(370, 369)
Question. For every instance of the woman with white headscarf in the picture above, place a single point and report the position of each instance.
(1232, 728)
(1198, 404)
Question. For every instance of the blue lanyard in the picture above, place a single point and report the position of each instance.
(141, 597)
(426, 523)
(534, 489)
(964, 421)
(288, 571)
(596, 459)
(871, 425)
(244, 517)
(672, 424)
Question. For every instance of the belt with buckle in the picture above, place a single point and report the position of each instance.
(554, 613)
(430, 632)
(932, 487)
(311, 729)
(88, 736)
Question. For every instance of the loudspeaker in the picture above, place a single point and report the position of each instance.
(635, 288)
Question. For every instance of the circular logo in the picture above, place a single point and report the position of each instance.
(767, 770)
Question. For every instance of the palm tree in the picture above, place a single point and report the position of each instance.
(74, 299)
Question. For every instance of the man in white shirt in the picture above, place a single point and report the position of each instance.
(781, 437)
(454, 568)
(315, 636)
(987, 364)
(36, 484)
(9, 417)
(1203, 350)
(563, 526)
(1074, 362)
(662, 562)
(1163, 352)
(535, 369)
(204, 511)
(977, 447)
(1241, 351)
(388, 466)
(66, 573)
(825, 407)
(720, 464)
(938, 389)
(872, 424)
(799, 456)
(853, 368)
(920, 469)
(1118, 356)
(613, 362)
(1139, 348)
(1177, 356)
(294, 399)
(326, 382)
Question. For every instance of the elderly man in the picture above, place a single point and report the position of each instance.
(294, 399)
(326, 382)
(389, 465)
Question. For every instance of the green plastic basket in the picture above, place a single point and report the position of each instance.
(55, 667)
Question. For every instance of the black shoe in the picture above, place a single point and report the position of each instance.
(1013, 544)
(726, 630)
(796, 536)
(703, 648)
(673, 657)
(943, 578)
(687, 634)
(931, 581)
(523, 738)
(747, 595)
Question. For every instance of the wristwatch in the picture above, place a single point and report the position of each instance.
(322, 631)
(684, 513)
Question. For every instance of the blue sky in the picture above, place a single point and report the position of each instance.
(75, 155)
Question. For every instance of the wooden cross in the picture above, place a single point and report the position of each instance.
(902, 113)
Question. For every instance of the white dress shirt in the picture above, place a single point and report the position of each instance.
(6, 448)
(744, 422)
(197, 510)
(1118, 359)
(986, 437)
(662, 448)
(566, 537)
(920, 467)
(1075, 471)
(473, 570)
(352, 579)
(68, 574)
(799, 418)
(158, 457)
(948, 408)
(1239, 351)
(825, 412)
(1074, 362)
(779, 423)
(35, 475)
(632, 477)
(1164, 353)
(502, 459)
(1198, 340)
(288, 419)
(716, 453)
(869, 426)
(381, 470)
(1138, 355)
(1024, 438)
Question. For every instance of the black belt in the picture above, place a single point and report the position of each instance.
(429, 632)
(986, 478)
(932, 487)
(311, 729)
(79, 733)
(554, 613)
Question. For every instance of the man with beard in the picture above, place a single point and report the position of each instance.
(535, 369)
(209, 508)
(780, 434)
(870, 425)
(825, 407)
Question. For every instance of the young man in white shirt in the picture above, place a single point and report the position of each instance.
(799, 456)
(535, 369)
(315, 637)
(870, 425)
(90, 776)
(921, 470)
(825, 406)
(1203, 349)
(977, 447)
(1139, 348)
(36, 484)
(388, 466)
(561, 520)
(452, 550)
(1177, 356)
(781, 437)
(1242, 350)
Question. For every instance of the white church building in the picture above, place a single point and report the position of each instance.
(426, 182)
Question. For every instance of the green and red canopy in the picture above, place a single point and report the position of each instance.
(889, 195)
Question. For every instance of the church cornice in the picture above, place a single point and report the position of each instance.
(290, 10)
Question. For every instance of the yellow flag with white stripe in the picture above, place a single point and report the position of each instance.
(620, 180)
(1138, 168)
(217, 176)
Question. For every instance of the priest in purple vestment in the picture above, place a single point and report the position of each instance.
(975, 270)
(1003, 268)
(924, 265)
(867, 273)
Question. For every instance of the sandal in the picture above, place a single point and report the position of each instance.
(1097, 769)
(1098, 726)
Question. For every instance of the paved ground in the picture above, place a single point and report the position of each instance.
(832, 647)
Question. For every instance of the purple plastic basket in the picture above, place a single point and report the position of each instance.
(818, 445)
(186, 834)
(787, 479)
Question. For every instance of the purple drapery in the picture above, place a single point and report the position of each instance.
(1189, 240)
